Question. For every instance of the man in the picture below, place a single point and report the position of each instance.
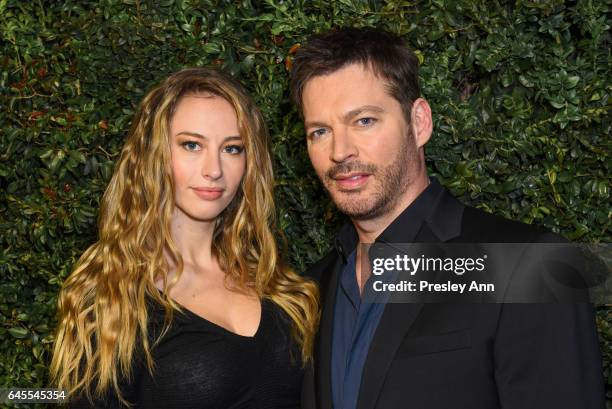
(366, 127)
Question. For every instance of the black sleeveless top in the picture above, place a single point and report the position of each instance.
(199, 364)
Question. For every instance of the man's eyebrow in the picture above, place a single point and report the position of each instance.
(366, 108)
(313, 124)
(200, 136)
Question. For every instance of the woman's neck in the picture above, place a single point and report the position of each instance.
(193, 238)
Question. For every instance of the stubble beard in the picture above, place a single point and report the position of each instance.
(390, 183)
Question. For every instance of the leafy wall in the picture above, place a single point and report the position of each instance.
(520, 93)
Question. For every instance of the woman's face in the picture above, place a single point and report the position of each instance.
(208, 158)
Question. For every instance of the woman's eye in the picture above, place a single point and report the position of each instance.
(366, 121)
(233, 149)
(191, 146)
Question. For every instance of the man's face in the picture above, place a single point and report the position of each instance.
(359, 142)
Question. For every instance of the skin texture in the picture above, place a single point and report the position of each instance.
(216, 160)
(367, 155)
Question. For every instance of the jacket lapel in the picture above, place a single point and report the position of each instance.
(443, 224)
(394, 324)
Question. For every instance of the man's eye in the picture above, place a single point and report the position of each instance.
(317, 133)
(233, 149)
(191, 146)
(366, 121)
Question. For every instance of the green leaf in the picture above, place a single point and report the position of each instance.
(572, 82)
(525, 81)
(18, 332)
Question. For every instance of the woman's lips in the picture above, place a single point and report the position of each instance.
(352, 181)
(208, 193)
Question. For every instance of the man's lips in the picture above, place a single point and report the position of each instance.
(208, 193)
(351, 181)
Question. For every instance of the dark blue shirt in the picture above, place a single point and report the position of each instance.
(355, 321)
(354, 326)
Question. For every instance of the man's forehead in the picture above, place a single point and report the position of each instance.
(344, 92)
(346, 72)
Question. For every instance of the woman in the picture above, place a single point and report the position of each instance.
(183, 301)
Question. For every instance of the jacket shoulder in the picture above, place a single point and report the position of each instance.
(318, 269)
(480, 226)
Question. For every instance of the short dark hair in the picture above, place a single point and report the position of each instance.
(385, 53)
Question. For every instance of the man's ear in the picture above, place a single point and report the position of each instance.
(421, 122)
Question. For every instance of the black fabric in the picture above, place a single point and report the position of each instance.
(200, 365)
(472, 356)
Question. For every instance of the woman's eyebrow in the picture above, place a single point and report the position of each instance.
(194, 134)
(200, 136)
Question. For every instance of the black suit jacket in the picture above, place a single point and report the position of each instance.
(472, 356)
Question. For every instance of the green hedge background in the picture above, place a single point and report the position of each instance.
(520, 92)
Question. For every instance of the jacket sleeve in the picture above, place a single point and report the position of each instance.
(547, 356)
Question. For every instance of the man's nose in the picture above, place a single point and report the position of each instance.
(343, 146)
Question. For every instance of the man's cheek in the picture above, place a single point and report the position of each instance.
(319, 168)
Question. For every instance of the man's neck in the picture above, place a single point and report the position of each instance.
(368, 230)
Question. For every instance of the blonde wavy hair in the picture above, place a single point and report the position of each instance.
(103, 304)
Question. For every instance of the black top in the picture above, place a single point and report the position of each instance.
(199, 364)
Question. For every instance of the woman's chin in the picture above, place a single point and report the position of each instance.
(199, 215)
